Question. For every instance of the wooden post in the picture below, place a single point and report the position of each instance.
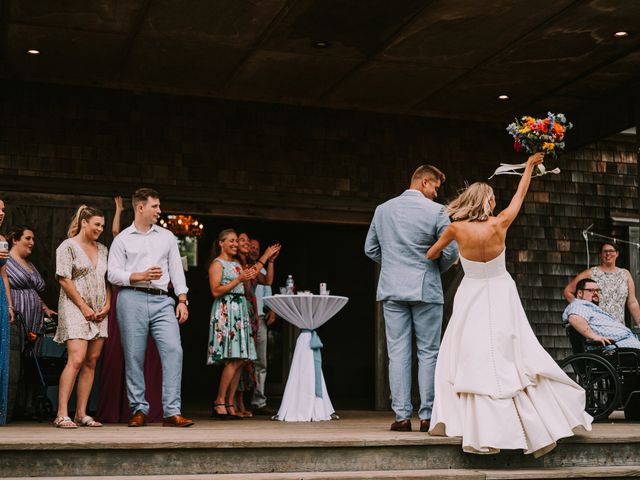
(381, 364)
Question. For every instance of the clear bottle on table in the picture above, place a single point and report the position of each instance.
(290, 285)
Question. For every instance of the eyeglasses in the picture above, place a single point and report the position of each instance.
(592, 290)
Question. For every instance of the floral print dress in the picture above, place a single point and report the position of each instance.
(229, 326)
(615, 290)
(72, 262)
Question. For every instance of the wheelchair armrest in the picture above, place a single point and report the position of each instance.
(591, 343)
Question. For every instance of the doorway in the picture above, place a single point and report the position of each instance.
(312, 253)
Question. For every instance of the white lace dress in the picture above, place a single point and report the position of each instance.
(495, 385)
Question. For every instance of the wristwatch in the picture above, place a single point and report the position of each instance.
(185, 301)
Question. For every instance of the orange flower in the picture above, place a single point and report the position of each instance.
(558, 129)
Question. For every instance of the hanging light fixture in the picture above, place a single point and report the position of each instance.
(183, 225)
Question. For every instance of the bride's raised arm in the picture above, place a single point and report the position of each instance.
(509, 214)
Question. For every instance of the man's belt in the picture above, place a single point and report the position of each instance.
(149, 291)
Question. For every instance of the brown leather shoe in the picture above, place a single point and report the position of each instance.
(138, 419)
(425, 424)
(176, 421)
(401, 426)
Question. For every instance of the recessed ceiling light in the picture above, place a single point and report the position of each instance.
(503, 97)
(320, 44)
(33, 51)
(621, 34)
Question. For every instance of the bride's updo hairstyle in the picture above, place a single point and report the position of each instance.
(473, 204)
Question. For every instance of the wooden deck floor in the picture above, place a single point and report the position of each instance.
(355, 428)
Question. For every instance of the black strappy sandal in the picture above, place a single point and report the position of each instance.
(219, 416)
(231, 415)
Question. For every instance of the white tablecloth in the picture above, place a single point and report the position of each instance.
(300, 402)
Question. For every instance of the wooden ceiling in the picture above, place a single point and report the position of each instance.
(439, 58)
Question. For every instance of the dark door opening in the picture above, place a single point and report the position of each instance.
(312, 253)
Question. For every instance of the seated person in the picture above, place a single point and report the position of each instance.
(592, 322)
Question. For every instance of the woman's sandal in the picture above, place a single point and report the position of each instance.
(218, 415)
(64, 422)
(87, 421)
(233, 416)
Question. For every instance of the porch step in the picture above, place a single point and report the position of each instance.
(440, 474)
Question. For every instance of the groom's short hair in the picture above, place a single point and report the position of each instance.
(428, 171)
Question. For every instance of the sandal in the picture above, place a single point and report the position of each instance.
(87, 421)
(233, 416)
(217, 415)
(64, 422)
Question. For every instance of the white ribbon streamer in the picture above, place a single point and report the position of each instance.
(514, 169)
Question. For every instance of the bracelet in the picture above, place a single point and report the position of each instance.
(260, 261)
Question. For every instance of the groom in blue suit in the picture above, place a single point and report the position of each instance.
(401, 232)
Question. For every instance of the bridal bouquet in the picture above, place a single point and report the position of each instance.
(535, 135)
(539, 134)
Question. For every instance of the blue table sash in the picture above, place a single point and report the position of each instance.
(316, 345)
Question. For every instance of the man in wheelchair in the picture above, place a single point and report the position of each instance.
(593, 323)
(606, 359)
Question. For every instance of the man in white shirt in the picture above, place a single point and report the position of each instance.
(143, 259)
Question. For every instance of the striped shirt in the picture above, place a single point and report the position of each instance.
(601, 323)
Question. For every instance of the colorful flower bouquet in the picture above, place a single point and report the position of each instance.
(535, 135)
(540, 134)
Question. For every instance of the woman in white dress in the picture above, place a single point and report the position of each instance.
(495, 385)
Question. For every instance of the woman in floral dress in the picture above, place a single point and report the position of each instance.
(230, 339)
(81, 267)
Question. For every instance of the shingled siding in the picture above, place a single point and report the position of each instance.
(282, 162)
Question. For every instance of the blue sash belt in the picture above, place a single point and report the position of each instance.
(316, 345)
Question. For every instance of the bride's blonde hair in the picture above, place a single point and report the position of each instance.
(473, 204)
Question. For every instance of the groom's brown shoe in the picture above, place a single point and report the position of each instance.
(401, 426)
(176, 421)
(424, 425)
(138, 419)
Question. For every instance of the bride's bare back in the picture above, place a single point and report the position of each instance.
(482, 241)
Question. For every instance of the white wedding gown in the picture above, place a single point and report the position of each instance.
(495, 386)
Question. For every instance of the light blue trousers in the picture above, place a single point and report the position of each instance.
(401, 320)
(138, 315)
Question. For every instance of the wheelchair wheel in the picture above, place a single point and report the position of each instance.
(599, 380)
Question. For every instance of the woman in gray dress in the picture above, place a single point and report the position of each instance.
(81, 267)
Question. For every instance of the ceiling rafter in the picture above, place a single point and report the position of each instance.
(383, 46)
(493, 55)
(259, 41)
(136, 28)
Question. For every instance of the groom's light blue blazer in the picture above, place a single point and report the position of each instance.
(401, 232)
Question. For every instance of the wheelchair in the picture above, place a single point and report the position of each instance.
(610, 376)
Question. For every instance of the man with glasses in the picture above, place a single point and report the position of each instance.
(593, 323)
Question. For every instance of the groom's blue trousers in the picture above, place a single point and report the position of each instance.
(401, 320)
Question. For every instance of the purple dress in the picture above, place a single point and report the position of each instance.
(25, 289)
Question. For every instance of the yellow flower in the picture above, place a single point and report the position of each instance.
(525, 129)
(548, 146)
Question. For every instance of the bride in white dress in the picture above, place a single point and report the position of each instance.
(495, 385)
